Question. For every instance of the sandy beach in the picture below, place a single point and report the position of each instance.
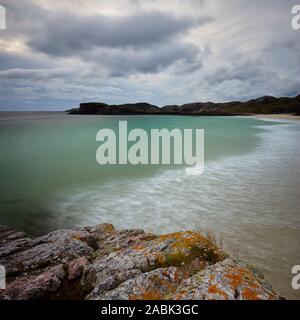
(277, 116)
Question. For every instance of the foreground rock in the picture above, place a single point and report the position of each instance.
(102, 263)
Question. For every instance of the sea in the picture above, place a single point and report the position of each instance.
(248, 196)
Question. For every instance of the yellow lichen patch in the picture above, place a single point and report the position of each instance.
(186, 239)
(189, 251)
(181, 248)
(79, 237)
(139, 247)
(106, 227)
(149, 237)
(185, 247)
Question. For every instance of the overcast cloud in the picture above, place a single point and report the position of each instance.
(56, 54)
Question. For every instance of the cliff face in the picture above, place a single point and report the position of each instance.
(103, 263)
(263, 105)
(105, 109)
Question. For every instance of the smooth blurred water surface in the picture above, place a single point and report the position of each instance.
(249, 194)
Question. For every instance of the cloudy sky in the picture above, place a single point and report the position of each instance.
(56, 54)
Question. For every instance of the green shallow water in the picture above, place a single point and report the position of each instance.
(44, 153)
(248, 194)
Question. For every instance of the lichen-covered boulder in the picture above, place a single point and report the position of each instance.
(101, 263)
(188, 250)
(226, 280)
(110, 240)
(51, 266)
(158, 284)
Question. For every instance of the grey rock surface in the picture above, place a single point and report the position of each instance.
(101, 263)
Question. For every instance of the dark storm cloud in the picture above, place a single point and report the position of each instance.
(69, 34)
(143, 42)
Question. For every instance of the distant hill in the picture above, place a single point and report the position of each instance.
(105, 109)
(263, 105)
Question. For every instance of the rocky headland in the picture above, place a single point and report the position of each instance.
(102, 263)
(263, 105)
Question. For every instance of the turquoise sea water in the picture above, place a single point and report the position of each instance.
(249, 194)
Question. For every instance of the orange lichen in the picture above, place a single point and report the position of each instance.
(186, 247)
(213, 289)
(184, 240)
(250, 294)
(109, 228)
(182, 248)
(239, 276)
(139, 247)
(235, 279)
(150, 295)
(158, 286)
(78, 237)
